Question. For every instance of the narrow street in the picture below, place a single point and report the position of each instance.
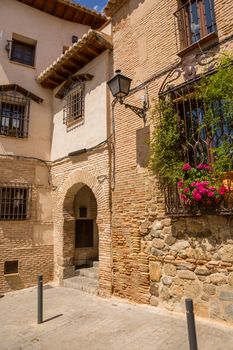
(76, 320)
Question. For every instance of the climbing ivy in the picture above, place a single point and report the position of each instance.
(216, 92)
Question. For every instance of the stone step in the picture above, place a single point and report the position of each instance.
(90, 272)
(85, 284)
(93, 263)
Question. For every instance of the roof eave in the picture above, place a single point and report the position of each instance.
(78, 56)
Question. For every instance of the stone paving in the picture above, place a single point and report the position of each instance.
(76, 320)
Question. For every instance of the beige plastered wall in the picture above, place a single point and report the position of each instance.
(50, 34)
(93, 128)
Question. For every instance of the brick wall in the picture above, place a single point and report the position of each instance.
(28, 241)
(145, 48)
(69, 176)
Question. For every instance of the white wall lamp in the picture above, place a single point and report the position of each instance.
(119, 86)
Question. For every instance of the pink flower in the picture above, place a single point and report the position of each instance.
(203, 166)
(186, 190)
(193, 184)
(180, 184)
(186, 167)
(183, 198)
(206, 166)
(210, 194)
(222, 190)
(196, 195)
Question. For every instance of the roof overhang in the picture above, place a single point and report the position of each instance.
(90, 46)
(24, 92)
(113, 6)
(69, 11)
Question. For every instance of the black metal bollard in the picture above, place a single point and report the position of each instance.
(191, 324)
(40, 300)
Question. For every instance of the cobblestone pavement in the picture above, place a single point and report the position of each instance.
(75, 320)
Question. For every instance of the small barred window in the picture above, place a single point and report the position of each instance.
(73, 109)
(14, 114)
(15, 201)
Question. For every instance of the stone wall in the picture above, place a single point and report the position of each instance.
(28, 241)
(157, 259)
(190, 257)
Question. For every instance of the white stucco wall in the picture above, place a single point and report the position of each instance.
(51, 34)
(94, 128)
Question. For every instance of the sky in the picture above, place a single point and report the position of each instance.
(97, 5)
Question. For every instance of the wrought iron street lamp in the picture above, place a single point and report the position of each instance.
(119, 86)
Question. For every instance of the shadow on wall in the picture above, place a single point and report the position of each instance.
(14, 282)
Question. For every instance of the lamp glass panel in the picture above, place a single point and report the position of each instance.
(114, 85)
(124, 85)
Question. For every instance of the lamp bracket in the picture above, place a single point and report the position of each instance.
(141, 112)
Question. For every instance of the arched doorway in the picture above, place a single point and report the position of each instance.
(86, 238)
(64, 199)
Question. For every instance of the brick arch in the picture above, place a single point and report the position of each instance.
(64, 226)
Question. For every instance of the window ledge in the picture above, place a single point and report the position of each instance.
(22, 64)
(11, 274)
(195, 45)
(15, 137)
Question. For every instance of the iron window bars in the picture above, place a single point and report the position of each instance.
(15, 200)
(14, 114)
(196, 142)
(195, 19)
(73, 108)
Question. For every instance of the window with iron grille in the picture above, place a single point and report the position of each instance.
(22, 52)
(14, 114)
(196, 19)
(73, 108)
(197, 140)
(15, 201)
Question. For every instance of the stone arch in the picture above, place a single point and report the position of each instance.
(64, 223)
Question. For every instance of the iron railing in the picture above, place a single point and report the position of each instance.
(194, 20)
(175, 207)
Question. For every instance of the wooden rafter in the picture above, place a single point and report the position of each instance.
(68, 10)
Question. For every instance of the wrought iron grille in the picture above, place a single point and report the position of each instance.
(73, 108)
(175, 208)
(14, 114)
(196, 144)
(15, 201)
(195, 20)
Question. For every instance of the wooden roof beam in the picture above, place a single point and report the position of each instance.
(45, 5)
(93, 51)
(82, 57)
(64, 12)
